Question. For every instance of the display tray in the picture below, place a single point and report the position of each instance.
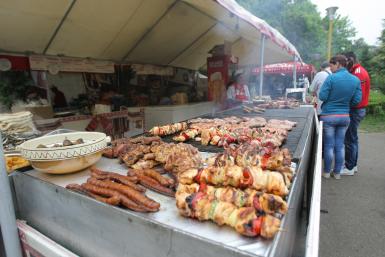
(299, 115)
(168, 215)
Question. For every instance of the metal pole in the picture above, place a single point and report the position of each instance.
(330, 35)
(261, 61)
(295, 72)
(7, 212)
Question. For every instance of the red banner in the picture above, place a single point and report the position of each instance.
(286, 68)
(20, 63)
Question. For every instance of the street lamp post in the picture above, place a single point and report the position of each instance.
(331, 11)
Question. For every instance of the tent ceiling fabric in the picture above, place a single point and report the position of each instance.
(165, 32)
(27, 25)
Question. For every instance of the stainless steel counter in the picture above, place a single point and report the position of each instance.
(90, 228)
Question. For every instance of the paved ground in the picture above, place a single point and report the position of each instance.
(353, 208)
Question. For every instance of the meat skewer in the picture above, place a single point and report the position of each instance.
(236, 176)
(246, 155)
(186, 135)
(262, 202)
(244, 220)
(168, 129)
(131, 193)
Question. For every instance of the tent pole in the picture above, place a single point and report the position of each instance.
(261, 61)
(192, 43)
(137, 43)
(7, 212)
(59, 26)
(295, 72)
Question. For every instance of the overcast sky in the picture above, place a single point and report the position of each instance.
(366, 15)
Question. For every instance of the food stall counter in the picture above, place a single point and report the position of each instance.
(91, 228)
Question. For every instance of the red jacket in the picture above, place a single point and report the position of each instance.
(363, 76)
(240, 92)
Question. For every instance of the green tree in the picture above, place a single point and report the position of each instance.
(270, 11)
(364, 53)
(301, 23)
(343, 34)
(377, 62)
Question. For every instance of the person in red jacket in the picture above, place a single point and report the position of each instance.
(238, 91)
(357, 114)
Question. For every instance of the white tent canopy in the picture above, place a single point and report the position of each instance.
(164, 32)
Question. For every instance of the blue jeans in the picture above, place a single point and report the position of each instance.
(334, 128)
(351, 138)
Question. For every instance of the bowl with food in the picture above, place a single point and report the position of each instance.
(64, 153)
(14, 161)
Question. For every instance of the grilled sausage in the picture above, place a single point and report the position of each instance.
(131, 193)
(126, 180)
(102, 194)
(164, 181)
(112, 198)
(155, 185)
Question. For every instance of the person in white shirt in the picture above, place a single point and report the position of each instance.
(317, 82)
(238, 91)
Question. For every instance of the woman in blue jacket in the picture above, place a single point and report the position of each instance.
(339, 92)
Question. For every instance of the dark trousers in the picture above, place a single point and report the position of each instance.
(351, 137)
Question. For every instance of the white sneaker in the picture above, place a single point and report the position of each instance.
(336, 176)
(347, 172)
(325, 175)
(355, 169)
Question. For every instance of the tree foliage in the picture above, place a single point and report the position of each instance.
(301, 23)
(343, 34)
(377, 62)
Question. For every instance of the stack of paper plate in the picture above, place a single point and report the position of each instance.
(16, 122)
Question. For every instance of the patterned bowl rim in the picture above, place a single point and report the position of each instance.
(33, 160)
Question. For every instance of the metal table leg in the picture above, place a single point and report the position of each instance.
(7, 212)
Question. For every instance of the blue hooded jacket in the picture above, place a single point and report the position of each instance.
(339, 92)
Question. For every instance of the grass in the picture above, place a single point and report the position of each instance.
(376, 97)
(373, 123)
(375, 118)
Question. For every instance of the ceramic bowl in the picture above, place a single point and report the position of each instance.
(67, 159)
